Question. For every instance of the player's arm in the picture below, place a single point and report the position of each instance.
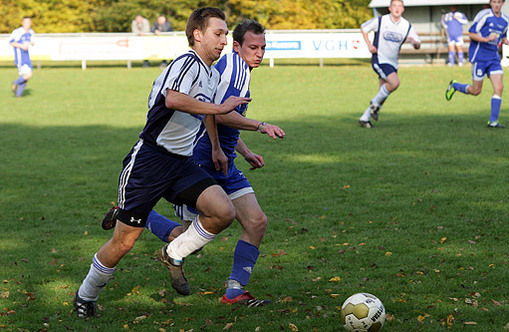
(218, 157)
(185, 103)
(479, 38)
(24, 47)
(237, 121)
(413, 38)
(256, 161)
(366, 27)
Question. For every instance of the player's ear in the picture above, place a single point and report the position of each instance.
(236, 46)
(197, 35)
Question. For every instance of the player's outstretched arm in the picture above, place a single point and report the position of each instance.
(218, 157)
(184, 103)
(256, 161)
(237, 121)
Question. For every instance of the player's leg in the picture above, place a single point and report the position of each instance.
(478, 72)
(389, 81)
(162, 227)
(461, 54)
(452, 55)
(19, 85)
(496, 99)
(254, 223)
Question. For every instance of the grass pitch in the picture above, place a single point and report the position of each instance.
(414, 211)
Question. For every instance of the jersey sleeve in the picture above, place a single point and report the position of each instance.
(14, 36)
(371, 25)
(479, 21)
(182, 75)
(413, 34)
(234, 78)
(462, 18)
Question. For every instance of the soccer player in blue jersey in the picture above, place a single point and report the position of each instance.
(487, 32)
(453, 23)
(235, 69)
(21, 39)
(160, 164)
(391, 31)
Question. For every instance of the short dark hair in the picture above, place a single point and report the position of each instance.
(246, 25)
(199, 19)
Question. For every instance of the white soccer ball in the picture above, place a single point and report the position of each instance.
(363, 312)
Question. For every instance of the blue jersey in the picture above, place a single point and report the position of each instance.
(453, 22)
(21, 36)
(486, 23)
(235, 79)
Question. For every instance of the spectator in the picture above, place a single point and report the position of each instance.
(141, 26)
(161, 25)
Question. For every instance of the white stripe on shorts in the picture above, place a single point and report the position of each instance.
(126, 173)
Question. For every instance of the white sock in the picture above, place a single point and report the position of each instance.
(96, 279)
(194, 238)
(366, 116)
(380, 96)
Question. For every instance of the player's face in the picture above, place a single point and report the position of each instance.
(396, 8)
(213, 39)
(252, 49)
(26, 23)
(496, 6)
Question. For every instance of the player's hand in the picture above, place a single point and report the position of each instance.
(372, 49)
(256, 161)
(220, 161)
(272, 131)
(492, 37)
(231, 103)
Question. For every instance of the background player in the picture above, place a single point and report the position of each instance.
(488, 30)
(453, 23)
(160, 163)
(391, 31)
(235, 68)
(21, 39)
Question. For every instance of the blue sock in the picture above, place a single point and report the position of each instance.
(460, 87)
(20, 80)
(244, 260)
(451, 57)
(460, 57)
(21, 88)
(160, 226)
(496, 102)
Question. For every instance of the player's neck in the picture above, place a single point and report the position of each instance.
(497, 14)
(395, 19)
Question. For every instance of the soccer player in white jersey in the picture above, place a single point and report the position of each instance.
(21, 39)
(160, 164)
(487, 33)
(391, 31)
(235, 69)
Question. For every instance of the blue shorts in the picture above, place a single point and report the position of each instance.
(382, 69)
(479, 69)
(455, 40)
(235, 184)
(151, 173)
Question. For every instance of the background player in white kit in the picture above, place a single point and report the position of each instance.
(391, 31)
(160, 164)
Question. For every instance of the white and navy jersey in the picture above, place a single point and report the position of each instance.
(173, 130)
(235, 79)
(453, 22)
(389, 36)
(486, 23)
(20, 35)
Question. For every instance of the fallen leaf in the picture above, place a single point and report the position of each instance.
(312, 248)
(470, 323)
(450, 320)
(420, 318)
(388, 253)
(293, 327)
(442, 240)
(335, 279)
(228, 326)
(495, 302)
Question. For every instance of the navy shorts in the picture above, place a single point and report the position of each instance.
(151, 173)
(382, 69)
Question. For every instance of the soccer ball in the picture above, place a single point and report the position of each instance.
(363, 312)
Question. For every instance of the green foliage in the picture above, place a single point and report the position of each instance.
(117, 15)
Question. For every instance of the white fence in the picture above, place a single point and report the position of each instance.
(281, 44)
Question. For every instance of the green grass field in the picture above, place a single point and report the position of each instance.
(414, 211)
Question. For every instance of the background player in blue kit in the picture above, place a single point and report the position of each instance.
(488, 30)
(160, 164)
(21, 39)
(453, 23)
(235, 69)
(391, 31)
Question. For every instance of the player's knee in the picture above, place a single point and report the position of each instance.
(124, 245)
(257, 224)
(475, 91)
(224, 213)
